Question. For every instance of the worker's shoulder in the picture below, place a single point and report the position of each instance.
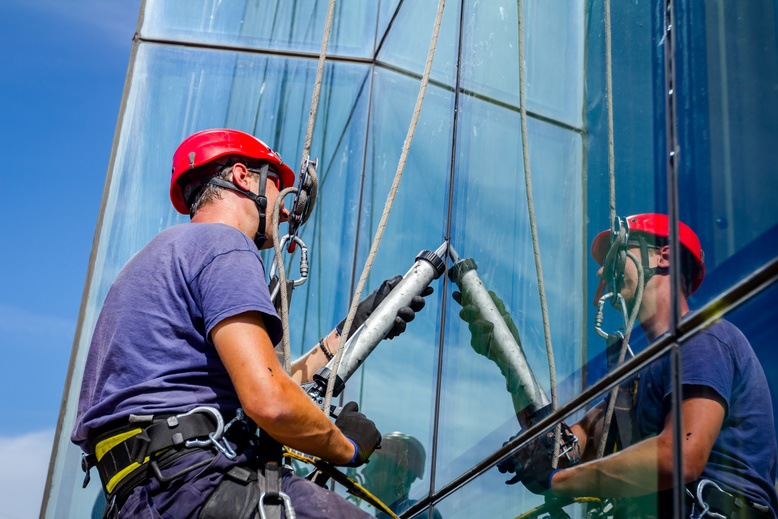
(724, 332)
(211, 238)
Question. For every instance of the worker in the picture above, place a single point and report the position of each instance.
(182, 368)
(727, 428)
(393, 469)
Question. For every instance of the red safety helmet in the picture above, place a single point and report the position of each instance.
(208, 146)
(659, 225)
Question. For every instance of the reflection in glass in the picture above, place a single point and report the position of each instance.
(393, 469)
(527, 469)
(490, 225)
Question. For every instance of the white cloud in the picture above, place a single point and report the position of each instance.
(24, 461)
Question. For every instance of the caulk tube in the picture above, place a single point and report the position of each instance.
(530, 401)
(428, 267)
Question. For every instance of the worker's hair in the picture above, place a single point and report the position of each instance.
(201, 193)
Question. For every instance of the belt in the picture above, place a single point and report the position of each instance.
(121, 451)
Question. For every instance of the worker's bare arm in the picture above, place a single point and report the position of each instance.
(647, 466)
(269, 396)
(304, 368)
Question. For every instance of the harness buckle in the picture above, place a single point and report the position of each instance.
(86, 466)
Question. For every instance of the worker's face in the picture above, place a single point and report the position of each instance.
(271, 192)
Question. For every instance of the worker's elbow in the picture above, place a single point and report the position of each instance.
(267, 408)
(692, 468)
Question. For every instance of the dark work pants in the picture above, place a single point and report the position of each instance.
(185, 496)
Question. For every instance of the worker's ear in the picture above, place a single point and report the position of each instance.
(241, 176)
(664, 256)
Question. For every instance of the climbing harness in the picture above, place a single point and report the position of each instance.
(125, 454)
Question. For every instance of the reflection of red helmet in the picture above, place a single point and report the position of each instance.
(659, 225)
(208, 146)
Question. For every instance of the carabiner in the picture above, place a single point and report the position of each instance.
(287, 503)
(304, 267)
(600, 317)
(214, 437)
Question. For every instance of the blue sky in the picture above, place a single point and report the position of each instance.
(64, 64)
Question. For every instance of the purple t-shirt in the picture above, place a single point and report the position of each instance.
(151, 351)
(743, 458)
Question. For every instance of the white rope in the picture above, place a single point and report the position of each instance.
(534, 229)
(612, 205)
(609, 104)
(311, 171)
(387, 208)
(622, 355)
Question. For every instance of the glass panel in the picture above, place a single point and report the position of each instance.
(176, 91)
(396, 386)
(386, 11)
(727, 69)
(489, 496)
(490, 224)
(265, 24)
(408, 40)
(553, 55)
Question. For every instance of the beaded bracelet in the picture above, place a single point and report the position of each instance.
(325, 350)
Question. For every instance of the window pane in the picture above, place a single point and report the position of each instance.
(408, 41)
(265, 24)
(727, 53)
(553, 55)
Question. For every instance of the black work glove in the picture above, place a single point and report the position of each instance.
(360, 430)
(404, 315)
(531, 464)
(481, 329)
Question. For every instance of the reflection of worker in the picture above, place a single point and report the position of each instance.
(728, 436)
(184, 342)
(393, 469)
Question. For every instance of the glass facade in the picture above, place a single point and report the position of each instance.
(701, 151)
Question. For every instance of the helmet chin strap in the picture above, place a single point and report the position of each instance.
(259, 199)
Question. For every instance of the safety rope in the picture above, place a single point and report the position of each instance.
(609, 105)
(387, 208)
(305, 165)
(612, 205)
(622, 355)
(534, 230)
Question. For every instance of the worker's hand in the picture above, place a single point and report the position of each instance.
(360, 430)
(481, 329)
(404, 315)
(532, 464)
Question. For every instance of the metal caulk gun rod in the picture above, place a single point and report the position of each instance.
(503, 347)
